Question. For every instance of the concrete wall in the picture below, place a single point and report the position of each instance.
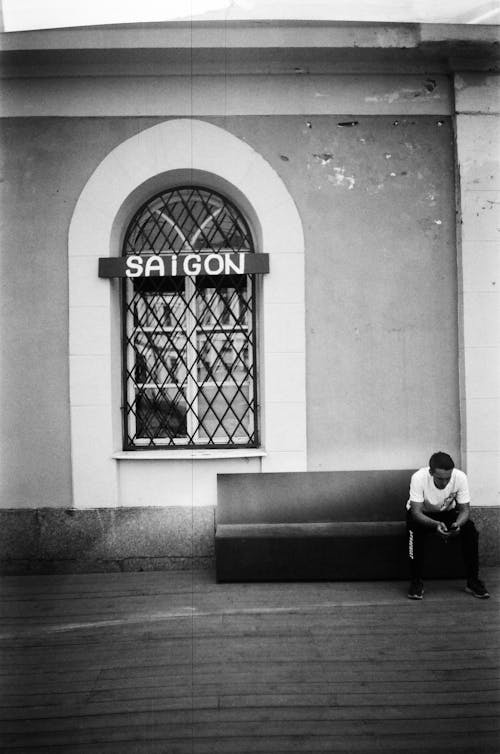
(377, 202)
(48, 540)
(377, 205)
(45, 164)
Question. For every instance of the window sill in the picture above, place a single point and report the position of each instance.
(190, 455)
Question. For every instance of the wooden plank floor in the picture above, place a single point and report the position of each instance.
(172, 663)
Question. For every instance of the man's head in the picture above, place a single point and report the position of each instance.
(440, 468)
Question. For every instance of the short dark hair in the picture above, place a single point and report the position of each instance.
(441, 460)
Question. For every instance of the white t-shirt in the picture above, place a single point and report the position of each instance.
(423, 490)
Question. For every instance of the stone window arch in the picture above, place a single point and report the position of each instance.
(158, 157)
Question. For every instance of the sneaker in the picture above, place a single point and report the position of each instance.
(477, 589)
(416, 590)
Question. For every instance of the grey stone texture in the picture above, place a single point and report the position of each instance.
(50, 540)
(487, 522)
(18, 534)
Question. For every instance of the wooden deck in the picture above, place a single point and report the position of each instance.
(172, 663)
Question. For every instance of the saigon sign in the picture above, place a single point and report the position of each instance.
(192, 265)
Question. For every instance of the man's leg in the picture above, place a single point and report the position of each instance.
(416, 543)
(470, 551)
(469, 539)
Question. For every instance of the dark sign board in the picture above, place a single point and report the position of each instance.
(192, 265)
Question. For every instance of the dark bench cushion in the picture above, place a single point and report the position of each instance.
(262, 553)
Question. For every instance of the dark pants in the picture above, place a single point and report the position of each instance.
(418, 533)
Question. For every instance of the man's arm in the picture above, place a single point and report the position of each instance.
(417, 510)
(463, 515)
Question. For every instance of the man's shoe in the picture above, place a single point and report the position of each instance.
(416, 590)
(477, 589)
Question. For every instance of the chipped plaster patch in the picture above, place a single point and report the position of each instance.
(324, 157)
(391, 97)
(339, 178)
(375, 189)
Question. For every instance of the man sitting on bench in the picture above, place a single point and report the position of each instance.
(439, 501)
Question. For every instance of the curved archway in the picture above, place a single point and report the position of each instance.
(158, 156)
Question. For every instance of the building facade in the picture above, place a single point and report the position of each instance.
(243, 247)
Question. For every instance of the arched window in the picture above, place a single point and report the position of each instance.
(189, 338)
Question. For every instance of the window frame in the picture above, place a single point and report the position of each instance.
(192, 330)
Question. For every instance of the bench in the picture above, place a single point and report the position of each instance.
(319, 525)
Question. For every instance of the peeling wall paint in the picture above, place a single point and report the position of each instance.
(428, 88)
(339, 178)
(324, 158)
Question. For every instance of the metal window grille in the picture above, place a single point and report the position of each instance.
(189, 342)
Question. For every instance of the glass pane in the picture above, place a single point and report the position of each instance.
(187, 218)
(223, 305)
(242, 362)
(221, 231)
(158, 285)
(223, 356)
(158, 311)
(160, 413)
(160, 358)
(225, 413)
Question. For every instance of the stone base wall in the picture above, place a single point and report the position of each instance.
(487, 520)
(48, 540)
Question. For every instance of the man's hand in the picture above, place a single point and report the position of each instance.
(454, 530)
(442, 530)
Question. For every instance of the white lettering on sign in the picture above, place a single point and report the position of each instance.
(134, 267)
(154, 264)
(219, 264)
(188, 264)
(192, 264)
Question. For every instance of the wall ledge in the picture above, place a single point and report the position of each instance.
(191, 455)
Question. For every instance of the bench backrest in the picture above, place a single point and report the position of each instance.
(312, 496)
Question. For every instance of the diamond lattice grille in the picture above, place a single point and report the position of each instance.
(189, 341)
